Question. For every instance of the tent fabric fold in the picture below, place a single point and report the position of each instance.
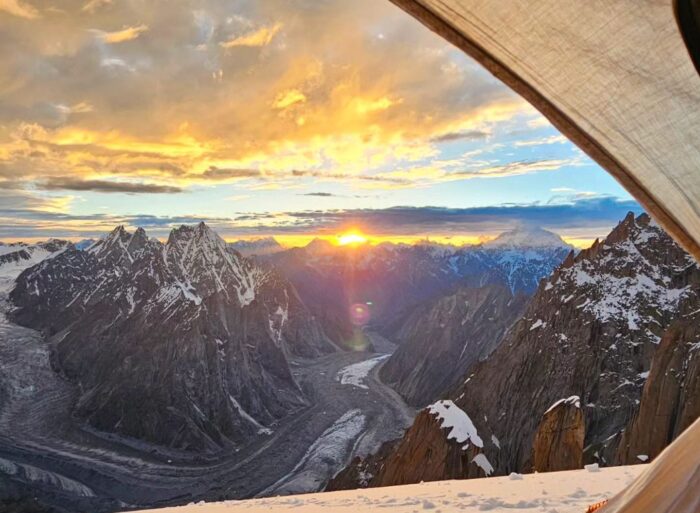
(614, 76)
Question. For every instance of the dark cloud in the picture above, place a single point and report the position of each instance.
(216, 173)
(76, 184)
(592, 216)
(469, 135)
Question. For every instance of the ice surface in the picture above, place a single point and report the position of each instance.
(324, 458)
(356, 373)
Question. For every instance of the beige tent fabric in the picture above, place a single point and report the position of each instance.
(671, 484)
(613, 75)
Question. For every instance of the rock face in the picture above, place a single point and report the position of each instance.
(671, 397)
(558, 442)
(182, 344)
(591, 330)
(441, 444)
(441, 340)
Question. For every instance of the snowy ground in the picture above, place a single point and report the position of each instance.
(555, 492)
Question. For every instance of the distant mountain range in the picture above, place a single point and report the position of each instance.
(391, 279)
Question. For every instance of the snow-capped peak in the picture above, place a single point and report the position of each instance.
(527, 237)
(262, 246)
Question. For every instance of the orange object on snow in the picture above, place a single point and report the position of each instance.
(596, 506)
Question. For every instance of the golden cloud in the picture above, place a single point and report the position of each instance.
(289, 98)
(19, 8)
(261, 37)
(120, 36)
(306, 110)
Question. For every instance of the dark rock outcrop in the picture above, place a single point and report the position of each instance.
(182, 344)
(671, 397)
(439, 342)
(558, 442)
(441, 444)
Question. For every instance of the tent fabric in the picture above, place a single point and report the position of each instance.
(614, 76)
(669, 484)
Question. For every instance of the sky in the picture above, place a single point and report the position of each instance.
(292, 118)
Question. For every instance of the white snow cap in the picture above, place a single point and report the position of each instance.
(574, 399)
(527, 237)
(452, 416)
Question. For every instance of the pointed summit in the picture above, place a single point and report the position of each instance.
(114, 243)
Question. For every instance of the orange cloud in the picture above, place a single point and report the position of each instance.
(261, 37)
(120, 36)
(19, 9)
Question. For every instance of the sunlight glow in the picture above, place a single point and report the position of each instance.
(351, 238)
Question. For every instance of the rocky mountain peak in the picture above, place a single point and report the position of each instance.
(115, 246)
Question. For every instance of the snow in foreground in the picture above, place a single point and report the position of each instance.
(554, 492)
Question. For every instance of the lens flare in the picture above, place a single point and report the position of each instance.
(359, 314)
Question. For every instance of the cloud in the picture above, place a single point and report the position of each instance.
(552, 139)
(582, 218)
(224, 174)
(261, 37)
(72, 184)
(120, 36)
(309, 104)
(469, 135)
(94, 5)
(289, 98)
(19, 8)
(520, 167)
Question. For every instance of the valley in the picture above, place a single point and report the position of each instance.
(68, 465)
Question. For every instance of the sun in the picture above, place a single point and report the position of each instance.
(351, 238)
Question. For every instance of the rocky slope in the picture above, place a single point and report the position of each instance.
(182, 344)
(441, 340)
(591, 331)
(671, 398)
(442, 444)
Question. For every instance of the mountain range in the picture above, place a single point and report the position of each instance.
(601, 367)
(183, 344)
(518, 354)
